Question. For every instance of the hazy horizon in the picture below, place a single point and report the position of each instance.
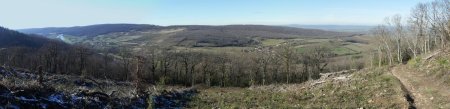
(56, 13)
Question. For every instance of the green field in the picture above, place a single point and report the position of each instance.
(339, 48)
(272, 42)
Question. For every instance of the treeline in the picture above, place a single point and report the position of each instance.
(426, 29)
(167, 65)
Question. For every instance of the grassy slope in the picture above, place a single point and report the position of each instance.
(374, 88)
(436, 67)
(433, 77)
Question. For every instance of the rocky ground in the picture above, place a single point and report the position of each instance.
(173, 99)
(19, 89)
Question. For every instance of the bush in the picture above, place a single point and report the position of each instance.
(443, 63)
(415, 62)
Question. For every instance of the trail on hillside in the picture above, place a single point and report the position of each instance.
(421, 91)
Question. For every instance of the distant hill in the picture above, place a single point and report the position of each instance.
(92, 30)
(269, 31)
(241, 35)
(181, 35)
(11, 38)
(339, 28)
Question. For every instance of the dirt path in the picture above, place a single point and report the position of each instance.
(424, 93)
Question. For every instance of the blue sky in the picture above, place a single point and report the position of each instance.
(56, 13)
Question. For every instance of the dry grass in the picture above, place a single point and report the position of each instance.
(437, 67)
(431, 77)
(374, 88)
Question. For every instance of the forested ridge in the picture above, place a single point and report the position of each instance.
(11, 38)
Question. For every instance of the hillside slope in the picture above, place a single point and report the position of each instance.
(91, 30)
(368, 88)
(11, 38)
(427, 79)
(341, 28)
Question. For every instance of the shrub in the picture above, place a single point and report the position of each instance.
(415, 62)
(443, 63)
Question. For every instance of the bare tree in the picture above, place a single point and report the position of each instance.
(222, 62)
(383, 35)
(139, 62)
(207, 69)
(438, 18)
(81, 53)
(125, 58)
(106, 60)
(396, 23)
(419, 24)
(315, 59)
(40, 76)
(287, 53)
